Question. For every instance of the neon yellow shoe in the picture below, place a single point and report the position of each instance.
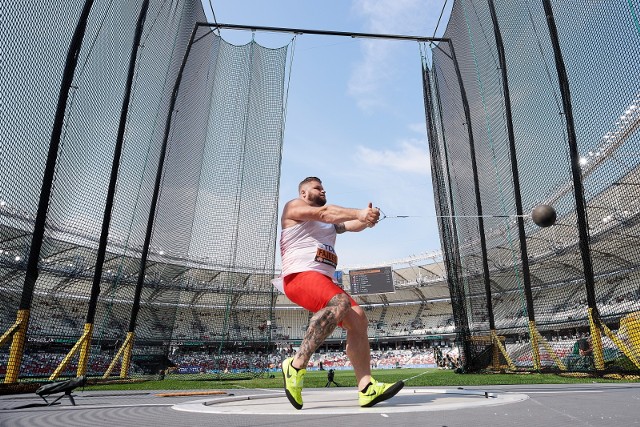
(377, 392)
(293, 382)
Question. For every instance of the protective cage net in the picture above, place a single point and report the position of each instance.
(201, 303)
(556, 315)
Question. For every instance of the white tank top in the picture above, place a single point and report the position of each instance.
(308, 246)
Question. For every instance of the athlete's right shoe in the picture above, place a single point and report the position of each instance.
(293, 382)
(377, 392)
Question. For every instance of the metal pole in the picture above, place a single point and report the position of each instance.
(115, 165)
(476, 186)
(452, 262)
(17, 346)
(322, 32)
(581, 212)
(522, 236)
(152, 212)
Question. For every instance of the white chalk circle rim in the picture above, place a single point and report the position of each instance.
(339, 401)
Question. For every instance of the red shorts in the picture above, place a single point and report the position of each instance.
(312, 290)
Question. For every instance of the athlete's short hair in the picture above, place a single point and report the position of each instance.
(308, 179)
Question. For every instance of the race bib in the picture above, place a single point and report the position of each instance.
(325, 254)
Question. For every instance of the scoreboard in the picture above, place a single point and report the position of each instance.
(371, 281)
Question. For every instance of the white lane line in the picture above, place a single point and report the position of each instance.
(564, 392)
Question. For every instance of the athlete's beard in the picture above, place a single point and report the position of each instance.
(318, 200)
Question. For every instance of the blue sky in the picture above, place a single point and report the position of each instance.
(355, 113)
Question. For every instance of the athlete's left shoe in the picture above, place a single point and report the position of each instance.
(377, 392)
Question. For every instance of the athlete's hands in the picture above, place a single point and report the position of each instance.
(369, 215)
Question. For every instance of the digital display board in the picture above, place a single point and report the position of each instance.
(371, 281)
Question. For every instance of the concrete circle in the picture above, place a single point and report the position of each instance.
(345, 401)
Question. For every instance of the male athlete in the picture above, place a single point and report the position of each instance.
(309, 228)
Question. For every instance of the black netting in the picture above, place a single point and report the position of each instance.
(542, 314)
(202, 285)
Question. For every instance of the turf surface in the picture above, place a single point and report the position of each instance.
(434, 377)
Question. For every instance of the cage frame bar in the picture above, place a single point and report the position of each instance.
(324, 32)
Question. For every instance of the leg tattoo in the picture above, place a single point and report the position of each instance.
(321, 325)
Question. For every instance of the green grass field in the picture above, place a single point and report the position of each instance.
(434, 377)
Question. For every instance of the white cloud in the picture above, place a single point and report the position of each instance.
(397, 180)
(377, 64)
(369, 74)
(411, 157)
(398, 16)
